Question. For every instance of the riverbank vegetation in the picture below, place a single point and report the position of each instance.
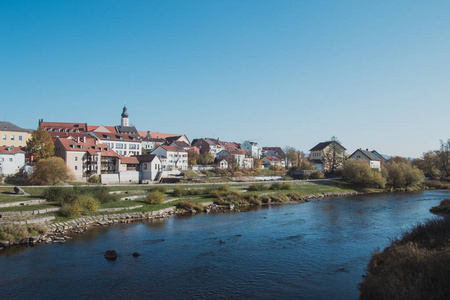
(442, 208)
(416, 266)
(15, 232)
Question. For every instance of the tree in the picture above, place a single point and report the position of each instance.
(359, 173)
(51, 171)
(192, 157)
(40, 145)
(293, 156)
(205, 159)
(257, 163)
(430, 164)
(403, 175)
(334, 156)
(444, 157)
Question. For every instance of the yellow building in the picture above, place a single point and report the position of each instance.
(13, 136)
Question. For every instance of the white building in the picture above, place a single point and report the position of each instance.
(12, 160)
(122, 144)
(252, 148)
(367, 156)
(239, 156)
(270, 160)
(176, 158)
(150, 167)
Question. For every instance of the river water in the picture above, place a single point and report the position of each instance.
(316, 250)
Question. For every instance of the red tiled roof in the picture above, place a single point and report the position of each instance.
(89, 146)
(272, 158)
(112, 129)
(160, 135)
(142, 133)
(63, 125)
(180, 144)
(13, 150)
(129, 160)
(172, 149)
(117, 137)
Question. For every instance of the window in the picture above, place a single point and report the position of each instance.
(145, 166)
(20, 137)
(10, 159)
(76, 168)
(76, 158)
(12, 137)
(4, 137)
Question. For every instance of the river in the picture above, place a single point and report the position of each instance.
(316, 250)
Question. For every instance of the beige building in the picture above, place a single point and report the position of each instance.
(328, 156)
(13, 136)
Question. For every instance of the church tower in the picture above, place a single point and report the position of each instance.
(125, 122)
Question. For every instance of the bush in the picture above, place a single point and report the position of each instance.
(286, 186)
(74, 205)
(189, 205)
(87, 203)
(51, 170)
(155, 198)
(316, 175)
(442, 208)
(195, 191)
(279, 197)
(403, 175)
(94, 179)
(54, 194)
(265, 199)
(275, 186)
(253, 199)
(359, 173)
(219, 191)
(16, 232)
(257, 187)
(179, 191)
(161, 189)
(294, 196)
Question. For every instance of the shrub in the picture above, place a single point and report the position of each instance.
(220, 201)
(71, 210)
(51, 170)
(17, 232)
(279, 197)
(54, 194)
(294, 196)
(195, 191)
(359, 173)
(257, 187)
(94, 179)
(161, 189)
(403, 175)
(265, 199)
(155, 198)
(189, 205)
(275, 186)
(87, 203)
(442, 208)
(316, 175)
(286, 186)
(179, 191)
(219, 191)
(253, 199)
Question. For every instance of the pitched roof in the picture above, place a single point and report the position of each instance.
(277, 150)
(89, 146)
(132, 160)
(275, 158)
(63, 125)
(323, 145)
(180, 144)
(65, 134)
(172, 149)
(7, 126)
(12, 150)
(111, 129)
(160, 135)
(146, 158)
(117, 137)
(368, 154)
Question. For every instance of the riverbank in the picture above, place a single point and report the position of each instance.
(416, 266)
(57, 232)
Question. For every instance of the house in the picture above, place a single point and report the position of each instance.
(122, 144)
(373, 160)
(14, 136)
(150, 167)
(130, 163)
(327, 156)
(149, 143)
(236, 156)
(223, 164)
(12, 160)
(177, 158)
(252, 148)
(381, 157)
(86, 157)
(273, 151)
(208, 145)
(167, 137)
(271, 160)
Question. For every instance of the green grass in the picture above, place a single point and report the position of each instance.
(35, 193)
(28, 207)
(190, 174)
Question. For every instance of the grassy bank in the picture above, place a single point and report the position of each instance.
(416, 266)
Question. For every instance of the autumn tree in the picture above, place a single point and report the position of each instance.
(444, 157)
(192, 157)
(430, 165)
(403, 174)
(50, 170)
(40, 145)
(294, 157)
(205, 159)
(257, 163)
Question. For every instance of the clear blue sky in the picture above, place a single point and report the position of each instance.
(376, 74)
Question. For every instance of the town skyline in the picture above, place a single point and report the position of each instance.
(283, 74)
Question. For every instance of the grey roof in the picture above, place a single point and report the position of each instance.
(145, 158)
(368, 154)
(7, 126)
(323, 145)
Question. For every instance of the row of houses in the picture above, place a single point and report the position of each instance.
(123, 153)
